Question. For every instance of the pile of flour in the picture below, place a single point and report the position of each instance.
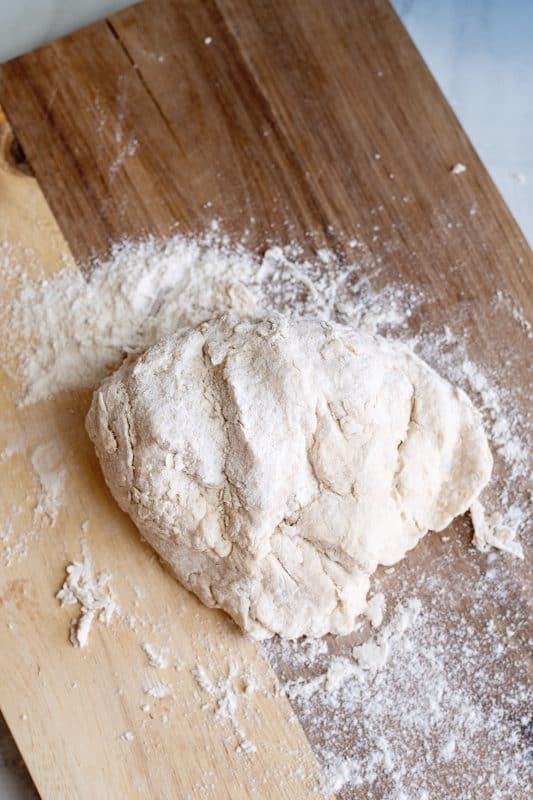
(76, 329)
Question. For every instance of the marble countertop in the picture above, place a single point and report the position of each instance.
(480, 52)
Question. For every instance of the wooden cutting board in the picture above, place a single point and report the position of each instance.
(307, 120)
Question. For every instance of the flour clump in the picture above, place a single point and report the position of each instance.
(273, 464)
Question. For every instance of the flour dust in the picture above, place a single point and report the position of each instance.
(89, 590)
(429, 697)
(435, 704)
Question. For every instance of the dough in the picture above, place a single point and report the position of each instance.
(274, 464)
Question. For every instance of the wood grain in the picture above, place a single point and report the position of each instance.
(310, 120)
(68, 709)
(279, 120)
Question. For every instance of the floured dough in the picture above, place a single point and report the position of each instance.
(274, 464)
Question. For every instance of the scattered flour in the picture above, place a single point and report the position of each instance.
(14, 543)
(502, 428)
(441, 714)
(93, 593)
(157, 657)
(76, 329)
(24, 521)
(374, 653)
(504, 301)
(231, 697)
(126, 150)
(309, 652)
(47, 464)
(157, 689)
(413, 726)
(489, 531)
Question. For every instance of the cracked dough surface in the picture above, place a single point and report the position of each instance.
(274, 464)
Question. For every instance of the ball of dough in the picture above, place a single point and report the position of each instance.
(275, 463)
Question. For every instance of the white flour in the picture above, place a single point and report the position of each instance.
(370, 656)
(453, 689)
(375, 609)
(230, 699)
(157, 656)
(504, 301)
(93, 594)
(46, 461)
(77, 329)
(373, 654)
(458, 169)
(489, 531)
(503, 431)
(23, 522)
(385, 732)
(157, 689)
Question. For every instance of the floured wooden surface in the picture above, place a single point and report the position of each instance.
(332, 130)
(103, 720)
(445, 703)
(353, 702)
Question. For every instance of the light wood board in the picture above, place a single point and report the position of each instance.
(305, 120)
(69, 708)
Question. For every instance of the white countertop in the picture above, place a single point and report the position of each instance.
(481, 54)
